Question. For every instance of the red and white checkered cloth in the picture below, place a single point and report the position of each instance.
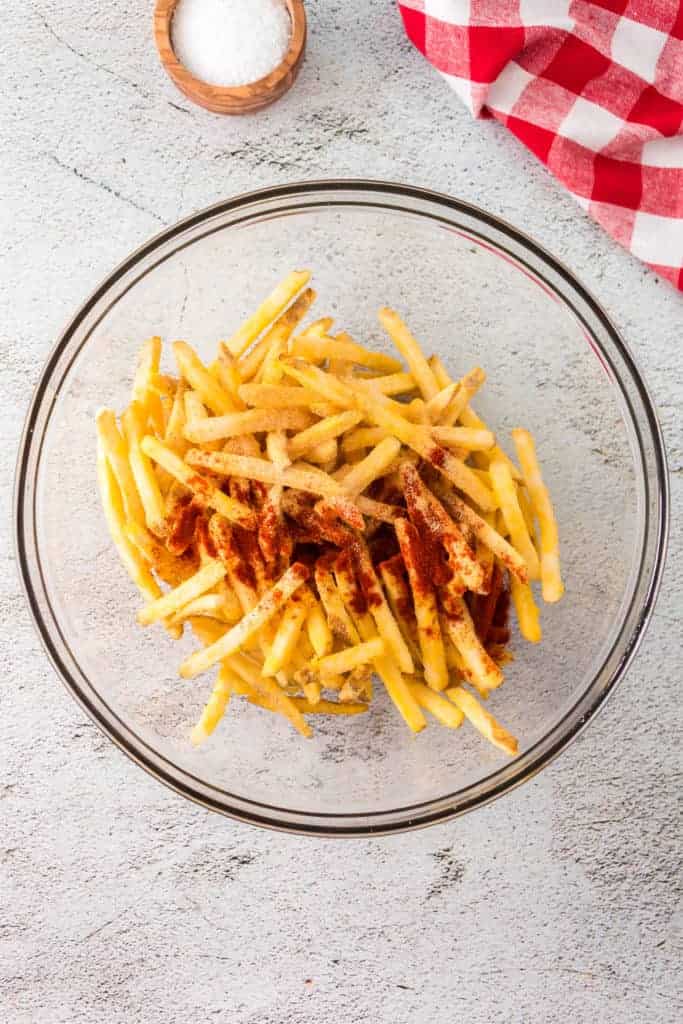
(595, 90)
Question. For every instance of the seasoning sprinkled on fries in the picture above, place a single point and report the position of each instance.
(317, 511)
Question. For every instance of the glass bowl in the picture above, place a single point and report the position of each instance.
(475, 291)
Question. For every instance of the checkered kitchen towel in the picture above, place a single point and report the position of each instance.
(595, 90)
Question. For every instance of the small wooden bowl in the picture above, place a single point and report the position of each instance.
(239, 99)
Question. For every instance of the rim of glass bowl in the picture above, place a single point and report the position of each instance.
(646, 442)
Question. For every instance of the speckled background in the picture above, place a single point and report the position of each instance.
(118, 901)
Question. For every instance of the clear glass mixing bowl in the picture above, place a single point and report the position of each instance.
(475, 291)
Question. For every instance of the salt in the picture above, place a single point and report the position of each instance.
(231, 42)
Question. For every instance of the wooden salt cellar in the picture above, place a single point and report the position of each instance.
(239, 99)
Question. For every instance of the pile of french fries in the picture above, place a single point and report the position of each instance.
(322, 514)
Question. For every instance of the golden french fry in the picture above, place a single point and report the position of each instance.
(316, 350)
(411, 352)
(461, 513)
(464, 437)
(469, 418)
(338, 619)
(324, 430)
(278, 396)
(253, 421)
(327, 707)
(112, 504)
(146, 482)
(350, 657)
(526, 609)
(269, 604)
(482, 720)
(465, 391)
(385, 667)
(429, 515)
(387, 627)
(200, 379)
(392, 572)
(363, 473)
(250, 363)
(461, 630)
(426, 610)
(392, 384)
(214, 709)
(318, 630)
(268, 311)
(324, 453)
(362, 437)
(205, 490)
(506, 496)
(442, 710)
(287, 633)
(205, 579)
(551, 580)
(116, 450)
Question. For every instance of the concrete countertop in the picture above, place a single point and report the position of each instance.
(119, 901)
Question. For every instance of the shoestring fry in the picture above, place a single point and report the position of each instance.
(315, 510)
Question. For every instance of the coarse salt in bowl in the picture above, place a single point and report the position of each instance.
(231, 42)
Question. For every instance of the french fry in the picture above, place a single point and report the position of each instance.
(174, 437)
(226, 372)
(318, 630)
(441, 374)
(268, 311)
(478, 661)
(201, 486)
(324, 430)
(116, 450)
(466, 389)
(393, 384)
(482, 720)
(214, 709)
(461, 513)
(392, 573)
(411, 352)
(387, 626)
(371, 467)
(112, 504)
(287, 634)
(526, 609)
(249, 363)
(464, 437)
(278, 396)
(200, 380)
(429, 515)
(143, 392)
(338, 619)
(252, 421)
(319, 328)
(426, 610)
(304, 478)
(205, 579)
(506, 496)
(362, 437)
(269, 604)
(350, 657)
(551, 580)
(324, 453)
(327, 707)
(316, 350)
(146, 482)
(469, 418)
(442, 709)
(385, 667)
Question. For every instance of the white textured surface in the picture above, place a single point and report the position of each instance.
(122, 903)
